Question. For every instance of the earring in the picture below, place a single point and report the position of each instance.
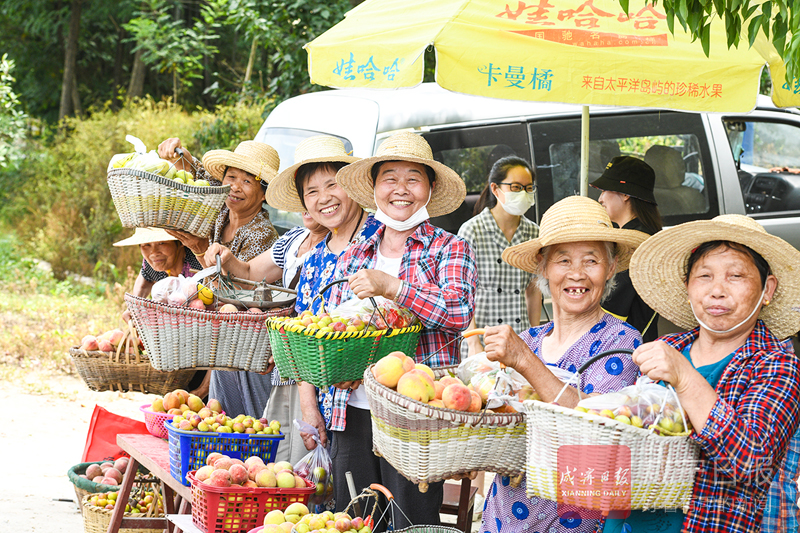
(766, 302)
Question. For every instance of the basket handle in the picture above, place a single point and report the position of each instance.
(589, 363)
(344, 280)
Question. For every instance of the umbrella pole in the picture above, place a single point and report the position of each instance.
(585, 151)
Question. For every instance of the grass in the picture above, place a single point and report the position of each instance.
(41, 317)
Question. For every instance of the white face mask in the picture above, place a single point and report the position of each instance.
(404, 225)
(722, 332)
(517, 203)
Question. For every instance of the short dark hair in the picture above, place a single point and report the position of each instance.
(708, 247)
(377, 168)
(305, 171)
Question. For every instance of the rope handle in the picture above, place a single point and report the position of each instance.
(365, 494)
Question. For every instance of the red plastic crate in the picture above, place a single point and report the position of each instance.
(155, 421)
(239, 509)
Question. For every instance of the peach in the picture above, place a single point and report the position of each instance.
(299, 483)
(255, 311)
(228, 308)
(448, 380)
(116, 336)
(253, 460)
(172, 401)
(114, 473)
(223, 463)
(457, 397)
(266, 478)
(109, 481)
(220, 478)
(408, 362)
(283, 465)
(436, 403)
(89, 342)
(105, 346)
(438, 389)
(92, 471)
(214, 405)
(388, 371)
(285, 480)
(197, 304)
(203, 473)
(254, 469)
(158, 406)
(417, 385)
(238, 474)
(486, 386)
(426, 369)
(183, 394)
(195, 403)
(250, 484)
(476, 404)
(98, 479)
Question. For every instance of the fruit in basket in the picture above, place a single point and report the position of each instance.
(388, 371)
(238, 474)
(476, 403)
(203, 473)
(89, 343)
(219, 478)
(285, 480)
(266, 478)
(182, 176)
(457, 397)
(228, 308)
(92, 471)
(417, 385)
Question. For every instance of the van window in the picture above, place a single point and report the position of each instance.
(759, 147)
(674, 144)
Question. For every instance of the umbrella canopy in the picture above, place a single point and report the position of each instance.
(571, 51)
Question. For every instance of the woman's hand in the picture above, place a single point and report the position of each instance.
(367, 282)
(198, 245)
(167, 151)
(502, 344)
(319, 423)
(661, 362)
(216, 249)
(352, 385)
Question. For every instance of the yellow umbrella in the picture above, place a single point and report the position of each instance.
(574, 51)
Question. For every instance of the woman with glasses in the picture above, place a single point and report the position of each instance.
(505, 295)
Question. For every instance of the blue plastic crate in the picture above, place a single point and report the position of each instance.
(188, 450)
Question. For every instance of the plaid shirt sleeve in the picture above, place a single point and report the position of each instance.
(449, 303)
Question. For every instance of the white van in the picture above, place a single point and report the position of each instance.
(706, 164)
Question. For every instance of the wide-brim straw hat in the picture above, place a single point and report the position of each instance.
(658, 269)
(449, 190)
(282, 192)
(146, 236)
(259, 159)
(575, 219)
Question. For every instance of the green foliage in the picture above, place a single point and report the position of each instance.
(12, 119)
(777, 20)
(228, 126)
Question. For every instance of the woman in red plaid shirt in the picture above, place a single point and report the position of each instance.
(420, 267)
(737, 289)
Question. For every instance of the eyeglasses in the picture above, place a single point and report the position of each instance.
(518, 187)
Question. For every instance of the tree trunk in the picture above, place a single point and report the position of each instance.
(175, 86)
(136, 86)
(249, 72)
(70, 56)
(117, 72)
(76, 99)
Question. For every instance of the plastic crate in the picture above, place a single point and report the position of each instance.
(155, 422)
(188, 449)
(239, 509)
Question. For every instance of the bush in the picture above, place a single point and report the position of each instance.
(60, 206)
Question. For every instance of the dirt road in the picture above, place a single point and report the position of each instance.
(41, 437)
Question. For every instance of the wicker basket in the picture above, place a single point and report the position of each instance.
(324, 359)
(125, 371)
(144, 199)
(85, 486)
(661, 469)
(181, 338)
(96, 519)
(427, 444)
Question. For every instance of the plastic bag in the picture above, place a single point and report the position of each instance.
(499, 386)
(358, 311)
(142, 159)
(315, 466)
(163, 288)
(645, 404)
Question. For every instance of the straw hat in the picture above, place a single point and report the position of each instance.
(282, 192)
(448, 193)
(145, 236)
(259, 159)
(575, 219)
(658, 269)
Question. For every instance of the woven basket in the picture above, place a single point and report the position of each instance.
(85, 486)
(144, 200)
(125, 371)
(96, 519)
(662, 469)
(182, 338)
(427, 444)
(324, 359)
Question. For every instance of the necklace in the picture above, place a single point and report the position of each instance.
(360, 218)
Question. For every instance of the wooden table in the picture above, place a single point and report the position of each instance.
(152, 453)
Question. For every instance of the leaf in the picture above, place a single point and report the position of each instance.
(752, 29)
(624, 5)
(683, 11)
(705, 38)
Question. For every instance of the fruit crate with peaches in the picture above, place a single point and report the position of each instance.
(430, 429)
(324, 349)
(181, 338)
(190, 448)
(115, 361)
(149, 192)
(218, 506)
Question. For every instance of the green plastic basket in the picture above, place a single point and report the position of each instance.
(324, 359)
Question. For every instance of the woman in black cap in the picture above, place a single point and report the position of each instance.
(627, 186)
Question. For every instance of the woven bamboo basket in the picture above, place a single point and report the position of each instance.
(126, 369)
(144, 199)
(428, 444)
(178, 338)
(96, 519)
(658, 470)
